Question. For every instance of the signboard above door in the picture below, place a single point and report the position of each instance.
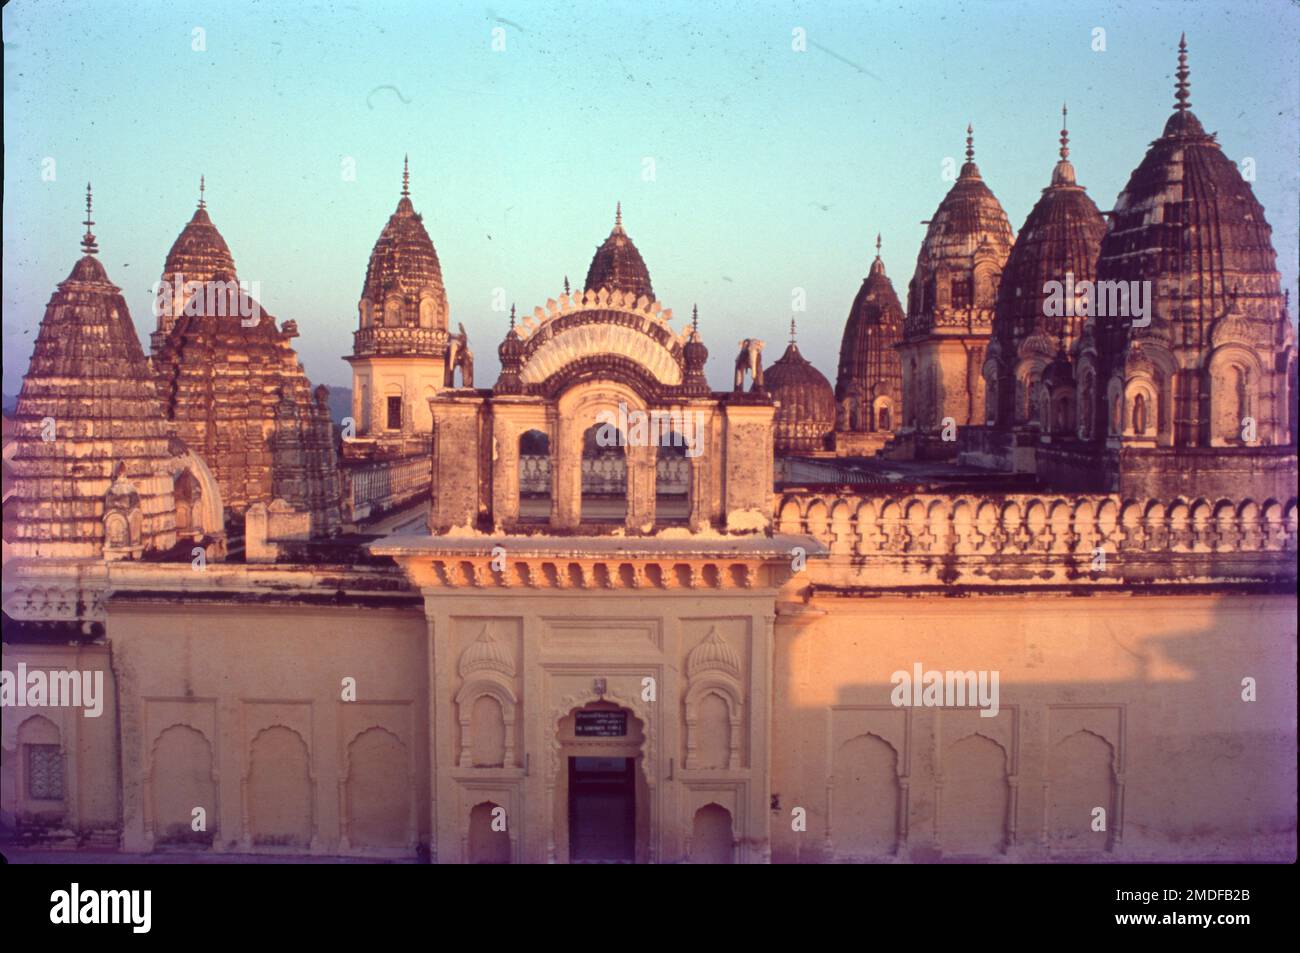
(600, 724)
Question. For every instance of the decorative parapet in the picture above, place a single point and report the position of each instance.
(1027, 540)
(655, 313)
(594, 563)
(949, 321)
(79, 591)
(400, 341)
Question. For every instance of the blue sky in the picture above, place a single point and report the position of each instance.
(773, 169)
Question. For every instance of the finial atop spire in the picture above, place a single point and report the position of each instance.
(970, 142)
(202, 203)
(792, 330)
(1182, 89)
(566, 284)
(406, 174)
(88, 241)
(618, 217)
(695, 318)
(877, 244)
(1065, 132)
(512, 317)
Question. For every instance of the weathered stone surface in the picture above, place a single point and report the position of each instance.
(92, 442)
(950, 305)
(1058, 243)
(869, 383)
(232, 383)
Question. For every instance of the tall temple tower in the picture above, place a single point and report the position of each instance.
(950, 304)
(93, 447)
(1040, 319)
(1199, 393)
(402, 353)
(231, 382)
(869, 384)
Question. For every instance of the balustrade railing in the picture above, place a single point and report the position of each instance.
(1028, 524)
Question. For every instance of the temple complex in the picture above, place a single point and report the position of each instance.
(1020, 587)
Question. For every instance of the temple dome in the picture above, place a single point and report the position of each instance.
(199, 251)
(1188, 216)
(404, 269)
(1060, 237)
(618, 266)
(869, 363)
(1189, 223)
(805, 413)
(966, 243)
(968, 216)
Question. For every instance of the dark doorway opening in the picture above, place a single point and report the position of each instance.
(602, 810)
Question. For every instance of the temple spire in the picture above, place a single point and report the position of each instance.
(1065, 133)
(202, 185)
(406, 175)
(1182, 89)
(88, 241)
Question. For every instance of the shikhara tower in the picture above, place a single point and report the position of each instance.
(1202, 400)
(400, 349)
(950, 306)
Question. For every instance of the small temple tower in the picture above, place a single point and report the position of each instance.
(869, 383)
(618, 266)
(950, 304)
(198, 256)
(602, 422)
(1197, 394)
(93, 447)
(1042, 309)
(402, 352)
(805, 403)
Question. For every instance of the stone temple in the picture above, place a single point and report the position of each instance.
(1019, 585)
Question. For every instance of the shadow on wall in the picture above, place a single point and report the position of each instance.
(1170, 763)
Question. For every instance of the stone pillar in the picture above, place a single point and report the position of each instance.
(641, 487)
(749, 478)
(505, 479)
(456, 457)
(566, 476)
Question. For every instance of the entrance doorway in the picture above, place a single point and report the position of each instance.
(602, 810)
